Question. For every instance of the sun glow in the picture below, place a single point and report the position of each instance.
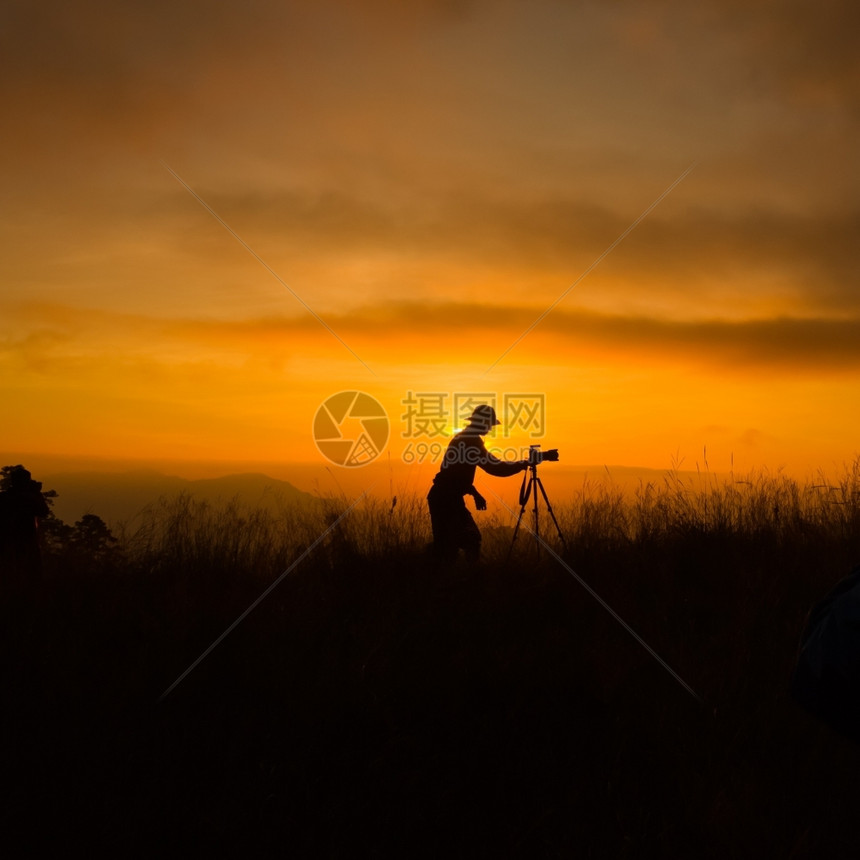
(431, 246)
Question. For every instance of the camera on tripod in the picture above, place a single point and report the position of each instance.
(536, 456)
(532, 486)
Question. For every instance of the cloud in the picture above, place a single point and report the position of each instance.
(777, 345)
(709, 261)
(781, 345)
(473, 87)
(786, 46)
(438, 149)
(689, 259)
(809, 49)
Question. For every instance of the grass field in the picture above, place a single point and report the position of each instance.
(373, 706)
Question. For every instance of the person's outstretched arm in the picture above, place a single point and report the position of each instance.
(500, 468)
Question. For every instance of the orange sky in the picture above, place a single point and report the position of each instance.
(429, 181)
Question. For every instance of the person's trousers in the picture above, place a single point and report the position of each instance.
(453, 527)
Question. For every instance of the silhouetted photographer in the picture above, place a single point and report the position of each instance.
(453, 526)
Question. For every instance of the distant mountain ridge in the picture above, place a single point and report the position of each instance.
(122, 496)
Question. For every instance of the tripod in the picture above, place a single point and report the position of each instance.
(529, 490)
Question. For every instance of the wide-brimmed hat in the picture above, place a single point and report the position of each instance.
(484, 415)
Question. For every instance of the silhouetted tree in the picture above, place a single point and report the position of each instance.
(92, 537)
(22, 508)
(7, 479)
(54, 532)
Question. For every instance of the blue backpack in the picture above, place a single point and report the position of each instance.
(826, 678)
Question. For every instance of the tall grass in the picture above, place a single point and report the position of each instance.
(232, 539)
(198, 537)
(761, 503)
(374, 703)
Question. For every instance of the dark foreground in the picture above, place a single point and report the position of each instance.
(384, 710)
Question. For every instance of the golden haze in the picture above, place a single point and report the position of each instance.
(429, 181)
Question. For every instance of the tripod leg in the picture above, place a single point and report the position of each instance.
(525, 501)
(549, 508)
